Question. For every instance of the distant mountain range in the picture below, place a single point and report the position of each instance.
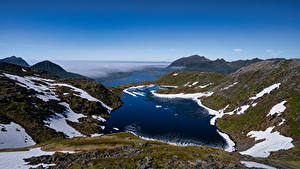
(202, 64)
(44, 65)
(55, 69)
(15, 60)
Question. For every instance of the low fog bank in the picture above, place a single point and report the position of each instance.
(100, 69)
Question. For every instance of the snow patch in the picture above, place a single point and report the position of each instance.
(204, 86)
(168, 86)
(266, 91)
(175, 74)
(186, 84)
(14, 136)
(225, 88)
(251, 164)
(59, 124)
(273, 141)
(242, 109)
(115, 128)
(71, 115)
(195, 83)
(277, 109)
(98, 117)
(96, 135)
(158, 106)
(253, 104)
(10, 160)
(24, 70)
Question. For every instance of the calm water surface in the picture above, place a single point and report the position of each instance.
(180, 121)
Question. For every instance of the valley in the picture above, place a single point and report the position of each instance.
(204, 119)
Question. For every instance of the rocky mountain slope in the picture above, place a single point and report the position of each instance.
(37, 106)
(258, 106)
(15, 60)
(202, 64)
(55, 69)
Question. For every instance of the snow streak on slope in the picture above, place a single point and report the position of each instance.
(83, 94)
(272, 141)
(225, 88)
(251, 164)
(266, 91)
(204, 86)
(71, 115)
(14, 136)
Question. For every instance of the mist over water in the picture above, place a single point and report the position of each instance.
(100, 69)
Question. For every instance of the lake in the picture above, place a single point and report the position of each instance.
(177, 121)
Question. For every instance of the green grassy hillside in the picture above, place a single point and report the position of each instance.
(246, 83)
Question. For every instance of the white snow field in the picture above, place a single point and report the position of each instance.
(46, 91)
(265, 91)
(14, 136)
(175, 74)
(225, 88)
(14, 160)
(59, 124)
(272, 141)
(251, 164)
(277, 109)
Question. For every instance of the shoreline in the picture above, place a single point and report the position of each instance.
(195, 97)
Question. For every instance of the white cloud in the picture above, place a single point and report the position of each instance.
(273, 52)
(237, 50)
(97, 69)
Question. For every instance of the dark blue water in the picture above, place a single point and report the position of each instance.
(179, 121)
(133, 78)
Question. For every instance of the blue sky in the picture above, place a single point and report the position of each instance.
(153, 30)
